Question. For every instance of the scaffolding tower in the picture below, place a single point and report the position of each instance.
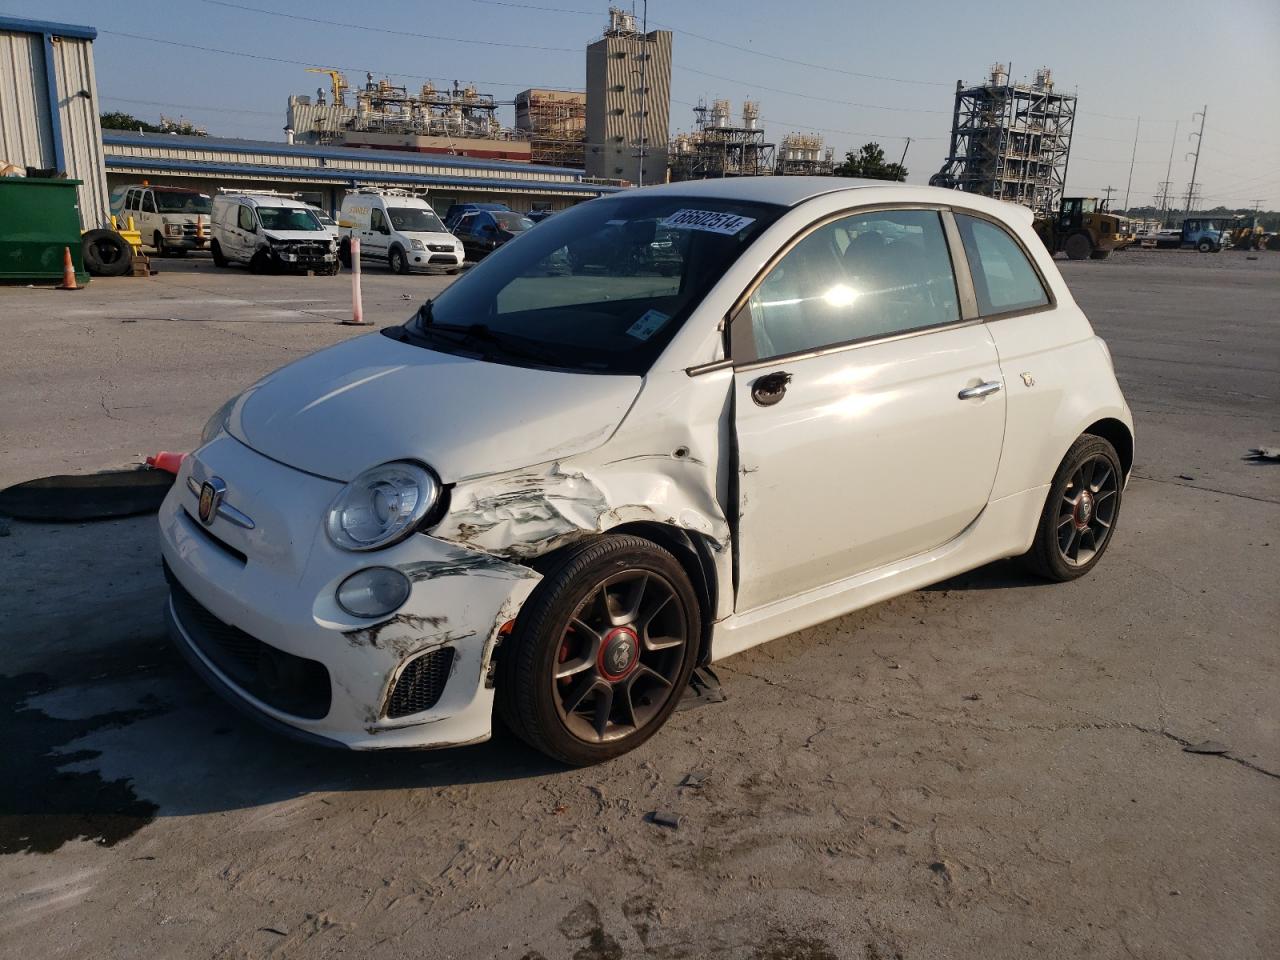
(1011, 141)
(718, 148)
(556, 123)
(802, 154)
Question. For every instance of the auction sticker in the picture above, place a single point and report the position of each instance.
(708, 220)
(650, 323)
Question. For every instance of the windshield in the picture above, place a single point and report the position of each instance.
(599, 288)
(176, 202)
(415, 220)
(324, 218)
(1089, 205)
(288, 218)
(511, 222)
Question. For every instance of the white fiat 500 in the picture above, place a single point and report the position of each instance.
(664, 426)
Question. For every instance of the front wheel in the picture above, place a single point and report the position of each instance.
(1078, 246)
(1205, 246)
(219, 260)
(397, 261)
(602, 651)
(1080, 513)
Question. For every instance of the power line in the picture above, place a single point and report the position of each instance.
(193, 106)
(386, 30)
(805, 96)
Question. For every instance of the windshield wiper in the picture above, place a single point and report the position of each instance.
(480, 335)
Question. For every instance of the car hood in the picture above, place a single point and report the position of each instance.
(373, 399)
(429, 236)
(296, 234)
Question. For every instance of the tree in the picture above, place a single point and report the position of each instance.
(869, 162)
(116, 120)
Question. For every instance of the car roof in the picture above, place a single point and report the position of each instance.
(793, 191)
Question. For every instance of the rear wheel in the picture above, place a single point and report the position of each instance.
(1078, 246)
(1080, 513)
(344, 253)
(602, 651)
(218, 259)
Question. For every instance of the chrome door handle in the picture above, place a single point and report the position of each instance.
(981, 390)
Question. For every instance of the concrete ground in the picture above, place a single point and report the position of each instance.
(993, 767)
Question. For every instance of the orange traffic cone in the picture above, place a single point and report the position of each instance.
(68, 271)
(167, 461)
(199, 229)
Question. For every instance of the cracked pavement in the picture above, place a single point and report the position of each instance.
(989, 767)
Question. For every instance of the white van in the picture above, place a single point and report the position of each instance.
(171, 220)
(396, 228)
(270, 231)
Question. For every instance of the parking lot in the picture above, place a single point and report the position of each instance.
(992, 767)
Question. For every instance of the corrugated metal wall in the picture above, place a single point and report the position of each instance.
(617, 104)
(26, 134)
(81, 130)
(27, 127)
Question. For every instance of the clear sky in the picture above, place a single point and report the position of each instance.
(853, 71)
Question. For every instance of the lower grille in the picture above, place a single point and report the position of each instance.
(421, 683)
(290, 684)
(452, 260)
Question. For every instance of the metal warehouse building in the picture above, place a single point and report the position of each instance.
(49, 106)
(322, 174)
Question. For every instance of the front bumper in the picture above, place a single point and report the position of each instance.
(266, 595)
(284, 259)
(427, 259)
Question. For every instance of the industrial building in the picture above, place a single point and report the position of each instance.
(803, 155)
(1011, 141)
(323, 174)
(628, 102)
(555, 122)
(49, 107)
(720, 148)
(459, 121)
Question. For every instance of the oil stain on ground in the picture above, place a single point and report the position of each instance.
(43, 806)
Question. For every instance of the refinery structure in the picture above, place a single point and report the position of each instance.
(616, 130)
(1011, 141)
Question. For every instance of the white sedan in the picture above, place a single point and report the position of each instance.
(667, 425)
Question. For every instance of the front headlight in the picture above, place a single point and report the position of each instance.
(218, 422)
(382, 506)
(418, 245)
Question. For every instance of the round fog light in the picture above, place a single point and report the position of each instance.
(374, 592)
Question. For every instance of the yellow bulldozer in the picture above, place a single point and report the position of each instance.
(1084, 229)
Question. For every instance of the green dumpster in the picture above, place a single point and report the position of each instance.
(39, 218)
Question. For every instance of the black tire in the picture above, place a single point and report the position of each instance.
(1078, 246)
(1205, 246)
(531, 701)
(260, 262)
(344, 253)
(106, 253)
(218, 259)
(1099, 254)
(398, 260)
(1047, 556)
(157, 241)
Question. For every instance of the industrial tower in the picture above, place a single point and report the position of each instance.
(628, 102)
(1011, 141)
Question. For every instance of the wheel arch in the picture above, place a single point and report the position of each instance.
(692, 550)
(1117, 433)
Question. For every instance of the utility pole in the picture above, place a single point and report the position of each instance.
(1109, 191)
(1168, 177)
(903, 161)
(1132, 160)
(644, 91)
(1191, 187)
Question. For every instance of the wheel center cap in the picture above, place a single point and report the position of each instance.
(619, 653)
(1084, 509)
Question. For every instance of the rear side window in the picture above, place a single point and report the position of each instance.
(1003, 279)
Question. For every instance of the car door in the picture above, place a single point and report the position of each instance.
(245, 233)
(465, 231)
(373, 242)
(868, 406)
(149, 224)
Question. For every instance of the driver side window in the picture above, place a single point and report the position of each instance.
(245, 218)
(861, 277)
(377, 222)
(148, 203)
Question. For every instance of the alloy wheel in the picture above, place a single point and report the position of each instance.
(619, 656)
(1087, 510)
